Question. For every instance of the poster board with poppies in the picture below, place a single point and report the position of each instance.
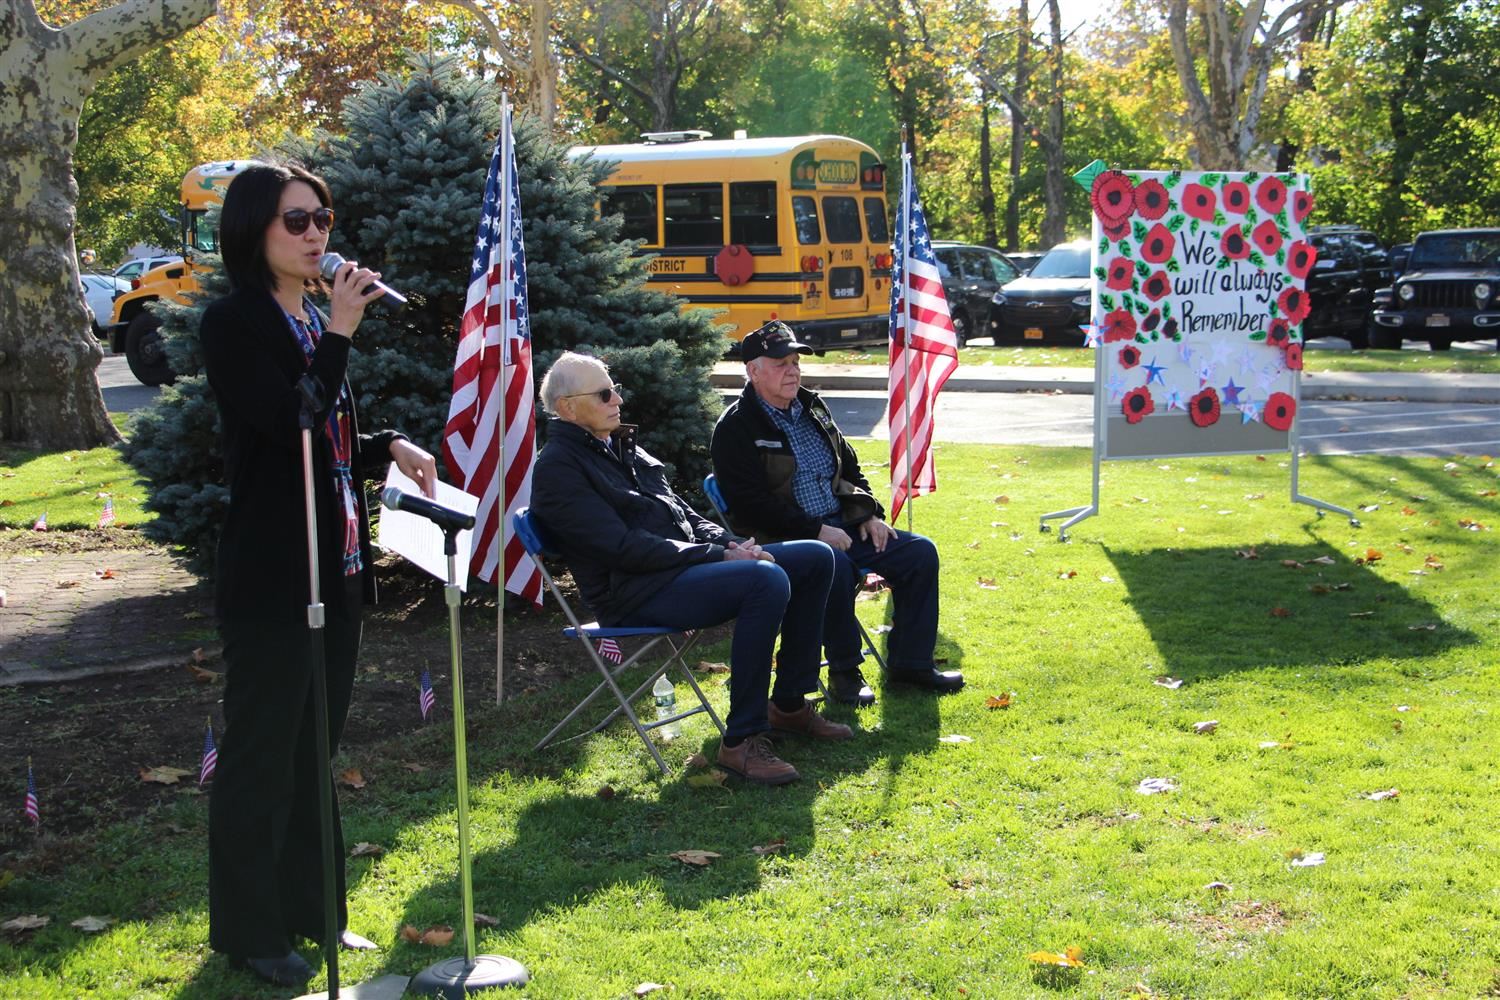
(1199, 298)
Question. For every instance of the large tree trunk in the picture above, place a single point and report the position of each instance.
(1055, 182)
(1018, 129)
(1408, 92)
(986, 180)
(49, 394)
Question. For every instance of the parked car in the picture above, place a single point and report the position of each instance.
(1025, 260)
(1050, 304)
(132, 270)
(1351, 267)
(99, 291)
(971, 277)
(1450, 290)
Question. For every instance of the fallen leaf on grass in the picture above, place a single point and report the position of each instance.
(202, 676)
(351, 778)
(366, 850)
(955, 738)
(1381, 796)
(1487, 493)
(414, 767)
(1323, 561)
(1155, 786)
(697, 760)
(700, 859)
(774, 847)
(1370, 508)
(708, 779)
(1066, 574)
(882, 629)
(1140, 991)
(104, 574)
(439, 936)
(66, 584)
(644, 988)
(92, 925)
(1274, 745)
(485, 920)
(972, 545)
(1001, 700)
(1280, 612)
(1219, 886)
(1291, 564)
(1255, 496)
(1002, 499)
(164, 775)
(1203, 728)
(1405, 548)
(29, 922)
(1310, 859)
(1361, 614)
(1424, 627)
(1408, 511)
(1433, 563)
(988, 583)
(712, 667)
(1171, 683)
(1071, 957)
(1405, 708)
(1370, 558)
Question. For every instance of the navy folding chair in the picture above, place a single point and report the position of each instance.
(541, 548)
(721, 511)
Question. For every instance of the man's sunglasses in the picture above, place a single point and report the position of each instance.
(296, 220)
(600, 394)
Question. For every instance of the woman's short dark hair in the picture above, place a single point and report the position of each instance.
(250, 207)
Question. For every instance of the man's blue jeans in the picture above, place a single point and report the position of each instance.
(910, 565)
(761, 598)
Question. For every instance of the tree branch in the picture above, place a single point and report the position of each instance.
(493, 38)
(93, 46)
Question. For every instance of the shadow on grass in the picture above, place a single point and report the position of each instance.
(1212, 610)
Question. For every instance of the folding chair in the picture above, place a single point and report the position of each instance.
(721, 511)
(541, 548)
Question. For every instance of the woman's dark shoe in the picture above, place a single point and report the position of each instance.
(848, 687)
(288, 970)
(941, 681)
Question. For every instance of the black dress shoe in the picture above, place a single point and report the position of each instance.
(288, 970)
(848, 687)
(941, 681)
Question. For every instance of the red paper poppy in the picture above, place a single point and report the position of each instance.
(1199, 202)
(1119, 325)
(1158, 245)
(1236, 197)
(1279, 411)
(1267, 237)
(1278, 335)
(1151, 200)
(1169, 328)
(1151, 321)
(1294, 357)
(1302, 205)
(1121, 274)
(1300, 258)
(1137, 404)
(1113, 197)
(1271, 195)
(1157, 286)
(1294, 305)
(1234, 245)
(1203, 408)
(1130, 356)
(1115, 230)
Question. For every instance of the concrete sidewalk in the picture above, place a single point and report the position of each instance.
(1417, 387)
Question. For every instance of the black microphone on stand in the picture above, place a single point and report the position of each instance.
(444, 517)
(328, 267)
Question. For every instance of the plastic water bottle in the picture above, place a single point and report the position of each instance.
(666, 706)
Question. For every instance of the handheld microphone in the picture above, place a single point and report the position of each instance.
(444, 517)
(328, 267)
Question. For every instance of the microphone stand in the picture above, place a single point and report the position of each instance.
(455, 978)
(316, 620)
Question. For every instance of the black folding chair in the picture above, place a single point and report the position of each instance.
(721, 511)
(541, 548)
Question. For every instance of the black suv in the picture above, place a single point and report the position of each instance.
(1449, 290)
(1351, 267)
(971, 277)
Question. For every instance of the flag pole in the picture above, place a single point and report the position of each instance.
(908, 190)
(507, 158)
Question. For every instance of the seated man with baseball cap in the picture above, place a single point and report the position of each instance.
(786, 473)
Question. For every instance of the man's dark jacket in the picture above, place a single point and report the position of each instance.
(253, 363)
(754, 464)
(622, 531)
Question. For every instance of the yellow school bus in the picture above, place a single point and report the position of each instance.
(792, 228)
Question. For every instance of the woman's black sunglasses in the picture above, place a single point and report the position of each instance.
(601, 394)
(296, 220)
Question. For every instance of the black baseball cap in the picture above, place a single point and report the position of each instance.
(774, 340)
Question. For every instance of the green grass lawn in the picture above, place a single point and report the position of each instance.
(69, 487)
(1317, 360)
(934, 852)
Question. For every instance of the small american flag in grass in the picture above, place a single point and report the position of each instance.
(107, 515)
(41, 523)
(610, 650)
(428, 697)
(210, 755)
(33, 806)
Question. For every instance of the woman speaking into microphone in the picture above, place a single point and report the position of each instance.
(266, 346)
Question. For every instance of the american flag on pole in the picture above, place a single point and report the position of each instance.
(210, 756)
(427, 698)
(494, 356)
(33, 806)
(610, 650)
(107, 515)
(924, 349)
(41, 523)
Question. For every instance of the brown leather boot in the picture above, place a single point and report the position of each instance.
(806, 722)
(754, 761)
